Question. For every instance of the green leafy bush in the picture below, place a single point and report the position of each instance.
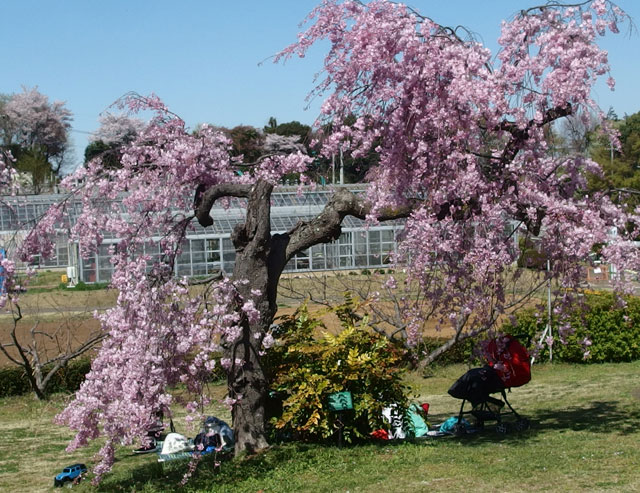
(82, 286)
(13, 380)
(612, 327)
(460, 352)
(306, 369)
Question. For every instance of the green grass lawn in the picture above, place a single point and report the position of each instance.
(584, 437)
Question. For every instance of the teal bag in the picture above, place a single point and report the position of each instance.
(419, 425)
(447, 426)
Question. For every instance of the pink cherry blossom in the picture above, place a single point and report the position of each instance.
(463, 157)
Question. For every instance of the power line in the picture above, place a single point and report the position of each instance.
(81, 131)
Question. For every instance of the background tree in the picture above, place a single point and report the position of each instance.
(291, 137)
(114, 132)
(289, 129)
(620, 166)
(463, 156)
(42, 353)
(36, 132)
(247, 142)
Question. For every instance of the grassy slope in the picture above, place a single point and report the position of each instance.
(586, 426)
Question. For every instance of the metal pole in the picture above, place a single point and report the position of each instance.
(547, 329)
(333, 169)
(611, 147)
(549, 309)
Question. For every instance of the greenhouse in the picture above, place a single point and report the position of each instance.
(210, 250)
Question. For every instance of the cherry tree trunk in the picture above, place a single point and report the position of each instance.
(247, 377)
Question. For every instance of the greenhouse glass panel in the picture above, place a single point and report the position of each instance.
(318, 257)
(302, 260)
(291, 265)
(228, 255)
(360, 248)
(213, 250)
(183, 270)
(184, 257)
(62, 252)
(104, 257)
(374, 247)
(197, 245)
(361, 260)
(331, 255)
(360, 243)
(104, 275)
(199, 269)
(375, 259)
(346, 261)
(89, 269)
(197, 251)
(387, 235)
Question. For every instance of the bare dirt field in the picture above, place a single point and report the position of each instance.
(58, 317)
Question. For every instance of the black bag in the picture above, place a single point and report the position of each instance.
(205, 440)
(476, 385)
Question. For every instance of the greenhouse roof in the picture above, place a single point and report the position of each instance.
(288, 208)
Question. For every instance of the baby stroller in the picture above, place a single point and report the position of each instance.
(508, 366)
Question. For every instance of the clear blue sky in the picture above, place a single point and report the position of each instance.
(202, 57)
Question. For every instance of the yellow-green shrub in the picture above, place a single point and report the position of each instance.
(306, 369)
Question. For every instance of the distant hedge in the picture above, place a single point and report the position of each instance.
(612, 327)
(460, 352)
(13, 380)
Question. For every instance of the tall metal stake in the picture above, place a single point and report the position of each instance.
(547, 330)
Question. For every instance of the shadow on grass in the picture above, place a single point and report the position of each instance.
(293, 458)
(155, 476)
(597, 417)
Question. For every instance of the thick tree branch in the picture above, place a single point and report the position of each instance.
(520, 135)
(327, 225)
(205, 199)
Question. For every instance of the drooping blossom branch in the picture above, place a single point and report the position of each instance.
(436, 111)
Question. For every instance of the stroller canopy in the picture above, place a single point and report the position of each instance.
(476, 385)
(510, 360)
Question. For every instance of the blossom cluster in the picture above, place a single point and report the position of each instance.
(159, 333)
(461, 139)
(464, 134)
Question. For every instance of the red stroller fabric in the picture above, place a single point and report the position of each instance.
(510, 360)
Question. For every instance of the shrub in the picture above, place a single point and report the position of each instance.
(82, 286)
(612, 327)
(460, 352)
(13, 380)
(69, 377)
(306, 369)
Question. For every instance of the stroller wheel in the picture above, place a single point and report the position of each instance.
(502, 428)
(522, 424)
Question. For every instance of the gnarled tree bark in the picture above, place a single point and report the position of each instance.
(260, 260)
